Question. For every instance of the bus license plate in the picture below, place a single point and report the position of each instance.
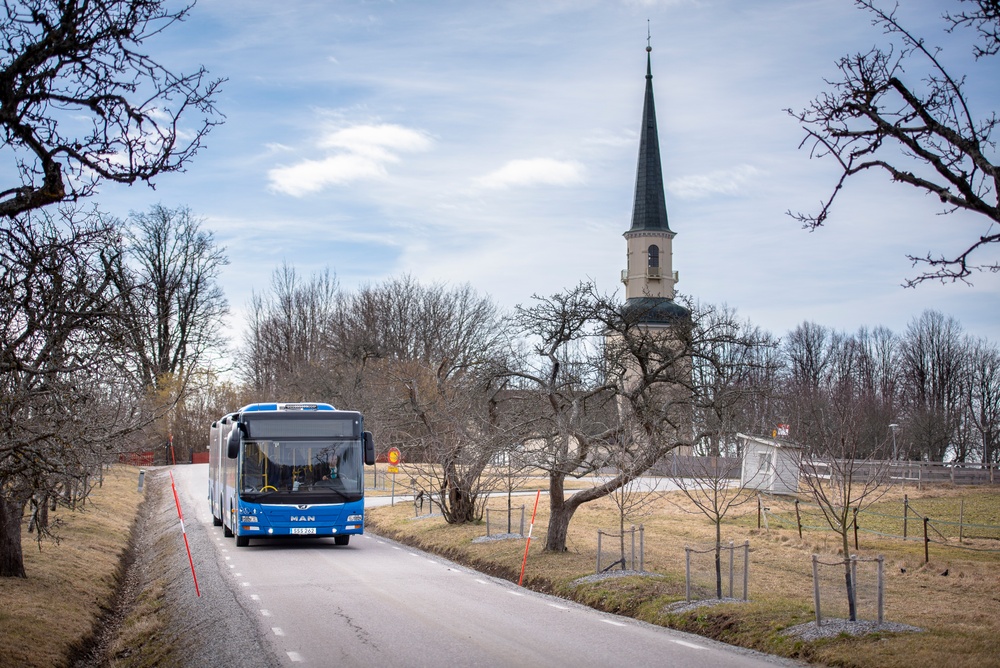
(304, 530)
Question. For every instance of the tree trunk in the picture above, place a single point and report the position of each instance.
(11, 557)
(851, 602)
(718, 558)
(560, 514)
(621, 538)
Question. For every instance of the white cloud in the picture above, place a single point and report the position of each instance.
(360, 152)
(535, 171)
(376, 140)
(721, 182)
(311, 176)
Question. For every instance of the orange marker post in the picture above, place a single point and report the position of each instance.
(186, 545)
(528, 544)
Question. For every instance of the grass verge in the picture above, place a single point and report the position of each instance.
(954, 598)
(50, 617)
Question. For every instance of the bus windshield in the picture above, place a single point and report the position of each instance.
(312, 471)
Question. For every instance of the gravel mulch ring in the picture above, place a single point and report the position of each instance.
(832, 628)
(607, 575)
(686, 606)
(498, 536)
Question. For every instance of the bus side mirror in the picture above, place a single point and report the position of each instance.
(233, 444)
(369, 449)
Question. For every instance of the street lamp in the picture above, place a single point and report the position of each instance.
(894, 427)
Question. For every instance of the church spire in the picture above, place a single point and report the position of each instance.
(649, 277)
(649, 211)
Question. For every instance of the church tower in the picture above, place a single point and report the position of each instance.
(650, 278)
(649, 287)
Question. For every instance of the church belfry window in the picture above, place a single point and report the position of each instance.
(654, 256)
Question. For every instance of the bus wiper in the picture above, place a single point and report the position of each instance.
(258, 495)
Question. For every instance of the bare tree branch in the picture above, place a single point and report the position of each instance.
(80, 103)
(871, 120)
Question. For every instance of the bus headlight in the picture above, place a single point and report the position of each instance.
(247, 519)
(355, 518)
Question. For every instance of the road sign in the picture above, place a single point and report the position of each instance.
(392, 469)
(394, 457)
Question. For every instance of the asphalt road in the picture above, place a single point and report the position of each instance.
(379, 603)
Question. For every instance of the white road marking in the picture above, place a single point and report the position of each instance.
(558, 607)
(612, 622)
(295, 656)
(277, 631)
(265, 612)
(688, 644)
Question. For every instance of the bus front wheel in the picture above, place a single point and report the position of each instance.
(341, 540)
(242, 541)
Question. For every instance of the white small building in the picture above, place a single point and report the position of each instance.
(770, 465)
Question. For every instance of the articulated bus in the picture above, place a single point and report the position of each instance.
(289, 470)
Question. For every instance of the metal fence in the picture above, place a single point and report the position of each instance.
(501, 521)
(909, 524)
(730, 580)
(632, 558)
(376, 479)
(831, 594)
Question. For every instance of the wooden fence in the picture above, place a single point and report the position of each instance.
(917, 474)
(903, 473)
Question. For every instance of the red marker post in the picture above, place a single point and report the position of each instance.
(186, 545)
(528, 544)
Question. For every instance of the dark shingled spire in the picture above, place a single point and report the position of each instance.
(649, 211)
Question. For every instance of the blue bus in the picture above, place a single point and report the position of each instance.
(289, 469)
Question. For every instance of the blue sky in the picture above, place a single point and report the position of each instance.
(495, 143)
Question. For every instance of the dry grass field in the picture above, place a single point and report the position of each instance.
(954, 598)
(45, 617)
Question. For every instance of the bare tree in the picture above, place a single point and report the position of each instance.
(809, 349)
(573, 404)
(933, 359)
(982, 396)
(430, 355)
(707, 482)
(603, 376)
(843, 472)
(80, 102)
(449, 424)
(175, 302)
(903, 110)
(736, 373)
(68, 387)
(288, 338)
(633, 500)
